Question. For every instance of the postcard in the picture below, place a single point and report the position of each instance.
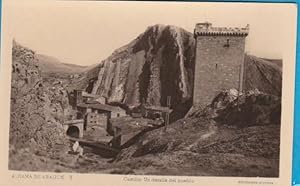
(141, 93)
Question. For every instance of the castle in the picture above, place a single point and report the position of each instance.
(219, 61)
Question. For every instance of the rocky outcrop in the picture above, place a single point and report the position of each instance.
(241, 110)
(32, 123)
(250, 109)
(157, 64)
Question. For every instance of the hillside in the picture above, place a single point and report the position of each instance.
(278, 62)
(216, 141)
(263, 75)
(52, 67)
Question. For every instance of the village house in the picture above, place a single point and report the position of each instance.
(93, 110)
(96, 113)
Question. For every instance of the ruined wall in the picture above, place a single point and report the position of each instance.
(217, 66)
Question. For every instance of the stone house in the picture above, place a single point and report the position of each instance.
(94, 111)
(98, 114)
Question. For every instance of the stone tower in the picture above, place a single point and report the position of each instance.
(219, 61)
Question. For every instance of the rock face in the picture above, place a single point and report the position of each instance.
(160, 63)
(157, 64)
(252, 108)
(247, 109)
(32, 122)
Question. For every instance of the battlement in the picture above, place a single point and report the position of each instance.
(206, 29)
(219, 61)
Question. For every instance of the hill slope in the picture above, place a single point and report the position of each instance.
(263, 75)
(218, 141)
(52, 67)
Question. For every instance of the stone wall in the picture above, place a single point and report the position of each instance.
(97, 120)
(219, 60)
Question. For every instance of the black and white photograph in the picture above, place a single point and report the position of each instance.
(148, 88)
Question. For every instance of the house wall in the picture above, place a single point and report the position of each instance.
(96, 120)
(116, 114)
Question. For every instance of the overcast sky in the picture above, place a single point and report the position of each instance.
(87, 32)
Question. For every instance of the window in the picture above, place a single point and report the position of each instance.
(227, 43)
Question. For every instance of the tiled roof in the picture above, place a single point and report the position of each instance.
(92, 102)
(207, 29)
(85, 94)
(158, 108)
(103, 107)
(73, 121)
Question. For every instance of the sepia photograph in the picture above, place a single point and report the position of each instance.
(145, 88)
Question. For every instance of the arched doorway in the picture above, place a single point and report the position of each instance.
(157, 115)
(73, 131)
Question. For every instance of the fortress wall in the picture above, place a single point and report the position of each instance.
(217, 67)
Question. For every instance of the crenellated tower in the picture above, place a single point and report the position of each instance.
(219, 61)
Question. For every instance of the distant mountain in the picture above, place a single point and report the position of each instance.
(160, 63)
(53, 67)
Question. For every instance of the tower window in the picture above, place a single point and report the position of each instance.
(227, 43)
(216, 66)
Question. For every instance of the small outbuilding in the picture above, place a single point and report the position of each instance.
(155, 112)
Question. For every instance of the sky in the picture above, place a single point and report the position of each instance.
(86, 33)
